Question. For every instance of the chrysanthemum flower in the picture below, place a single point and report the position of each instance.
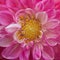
(28, 29)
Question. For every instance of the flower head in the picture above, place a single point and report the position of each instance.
(27, 29)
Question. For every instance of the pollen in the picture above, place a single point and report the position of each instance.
(31, 29)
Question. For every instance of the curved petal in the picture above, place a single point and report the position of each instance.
(24, 13)
(36, 52)
(42, 16)
(5, 18)
(27, 5)
(14, 4)
(51, 13)
(12, 52)
(39, 6)
(48, 4)
(12, 28)
(51, 24)
(48, 53)
(6, 41)
(50, 34)
(58, 14)
(51, 42)
(58, 39)
(24, 55)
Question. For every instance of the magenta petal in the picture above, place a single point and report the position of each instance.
(36, 52)
(6, 41)
(14, 4)
(48, 5)
(48, 53)
(24, 55)
(12, 52)
(5, 18)
(51, 13)
(2, 1)
(58, 39)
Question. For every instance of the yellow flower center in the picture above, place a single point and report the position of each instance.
(31, 29)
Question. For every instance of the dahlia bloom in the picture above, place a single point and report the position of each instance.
(27, 29)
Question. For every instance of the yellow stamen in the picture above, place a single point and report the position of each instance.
(31, 30)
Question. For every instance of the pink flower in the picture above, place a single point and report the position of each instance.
(27, 29)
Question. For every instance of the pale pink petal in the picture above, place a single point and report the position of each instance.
(28, 12)
(19, 13)
(5, 18)
(24, 55)
(51, 42)
(6, 41)
(50, 34)
(12, 52)
(42, 16)
(48, 53)
(53, 23)
(12, 27)
(39, 6)
(36, 52)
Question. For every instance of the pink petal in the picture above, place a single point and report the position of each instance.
(28, 12)
(51, 13)
(35, 2)
(51, 42)
(12, 27)
(18, 14)
(30, 4)
(4, 20)
(58, 39)
(53, 23)
(42, 16)
(50, 34)
(14, 4)
(48, 4)
(39, 6)
(27, 5)
(48, 53)
(12, 52)
(56, 1)
(58, 14)
(6, 41)
(2, 1)
(24, 55)
(36, 52)
(3, 7)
